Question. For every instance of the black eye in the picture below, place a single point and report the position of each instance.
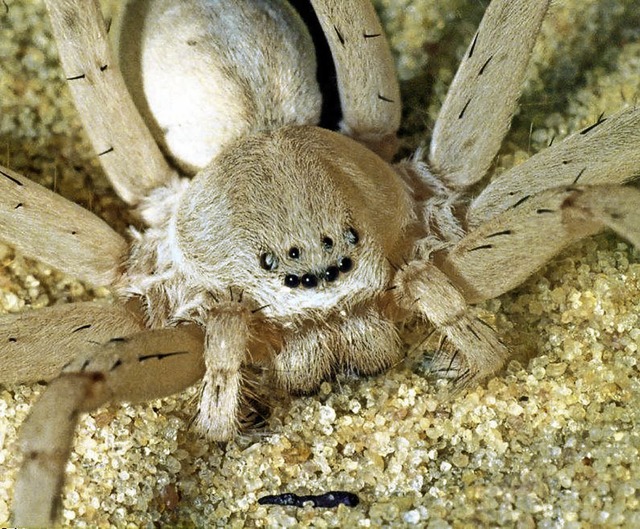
(331, 273)
(327, 243)
(291, 280)
(294, 252)
(268, 261)
(309, 281)
(351, 236)
(345, 264)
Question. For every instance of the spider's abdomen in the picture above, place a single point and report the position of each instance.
(299, 217)
(205, 72)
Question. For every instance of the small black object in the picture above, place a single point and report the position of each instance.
(291, 280)
(294, 252)
(309, 281)
(345, 264)
(327, 243)
(327, 500)
(268, 261)
(331, 273)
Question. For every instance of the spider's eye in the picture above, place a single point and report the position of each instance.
(294, 252)
(309, 281)
(327, 243)
(331, 273)
(345, 264)
(351, 236)
(291, 280)
(268, 261)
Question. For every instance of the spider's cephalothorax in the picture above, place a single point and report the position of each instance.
(293, 252)
(277, 220)
(279, 216)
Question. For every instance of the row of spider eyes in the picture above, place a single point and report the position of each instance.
(269, 262)
(311, 280)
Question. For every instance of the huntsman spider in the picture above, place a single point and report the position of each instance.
(275, 253)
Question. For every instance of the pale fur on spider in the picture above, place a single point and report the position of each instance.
(290, 264)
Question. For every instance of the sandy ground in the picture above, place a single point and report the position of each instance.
(552, 442)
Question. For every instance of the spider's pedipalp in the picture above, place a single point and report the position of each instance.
(605, 153)
(369, 91)
(226, 348)
(26, 338)
(129, 155)
(483, 96)
(43, 225)
(501, 253)
(142, 366)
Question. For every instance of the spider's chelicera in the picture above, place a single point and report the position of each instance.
(276, 253)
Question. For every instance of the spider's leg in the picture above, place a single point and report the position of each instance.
(606, 152)
(369, 92)
(479, 352)
(615, 207)
(52, 229)
(128, 153)
(483, 96)
(143, 366)
(27, 350)
(501, 253)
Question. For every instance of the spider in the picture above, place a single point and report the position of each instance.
(301, 264)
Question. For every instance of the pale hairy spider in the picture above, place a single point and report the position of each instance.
(294, 252)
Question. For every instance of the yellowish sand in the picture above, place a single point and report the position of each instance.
(553, 442)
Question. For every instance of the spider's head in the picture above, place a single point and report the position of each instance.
(299, 218)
